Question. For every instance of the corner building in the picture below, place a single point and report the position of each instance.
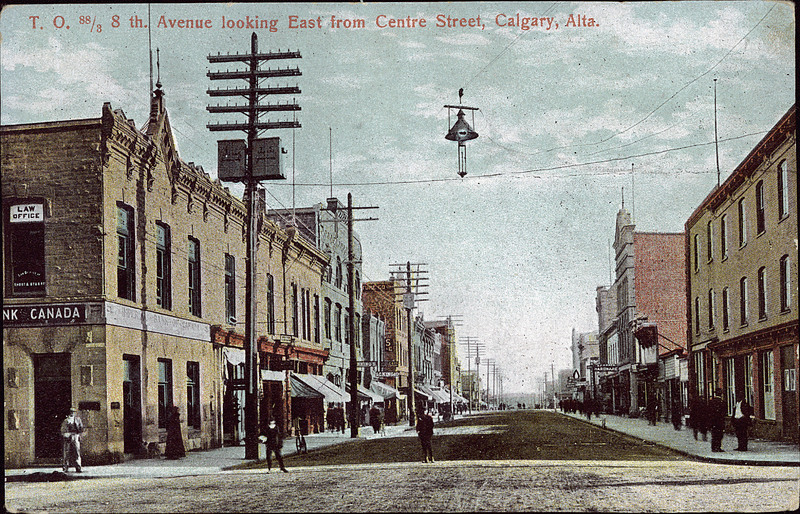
(742, 286)
(123, 282)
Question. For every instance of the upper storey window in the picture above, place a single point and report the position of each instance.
(126, 273)
(25, 240)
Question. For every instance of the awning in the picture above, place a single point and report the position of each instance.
(440, 395)
(420, 392)
(301, 390)
(322, 385)
(234, 356)
(366, 394)
(387, 392)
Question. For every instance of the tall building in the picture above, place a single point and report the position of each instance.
(385, 299)
(650, 312)
(123, 291)
(325, 226)
(741, 243)
(585, 356)
(451, 366)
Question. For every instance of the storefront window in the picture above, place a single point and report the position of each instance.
(767, 365)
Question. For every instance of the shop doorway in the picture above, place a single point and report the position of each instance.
(52, 400)
(132, 403)
(789, 395)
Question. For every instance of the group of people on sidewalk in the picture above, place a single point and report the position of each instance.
(710, 416)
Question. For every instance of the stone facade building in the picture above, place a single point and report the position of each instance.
(123, 284)
(741, 244)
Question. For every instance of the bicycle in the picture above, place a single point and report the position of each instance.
(300, 443)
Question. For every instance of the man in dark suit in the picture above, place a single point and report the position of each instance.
(425, 432)
(716, 420)
(741, 422)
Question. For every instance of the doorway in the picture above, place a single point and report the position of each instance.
(132, 404)
(789, 395)
(52, 400)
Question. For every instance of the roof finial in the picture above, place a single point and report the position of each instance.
(158, 68)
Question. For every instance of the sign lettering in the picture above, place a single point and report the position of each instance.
(27, 213)
(44, 314)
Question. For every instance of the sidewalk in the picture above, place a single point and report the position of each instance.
(197, 462)
(759, 451)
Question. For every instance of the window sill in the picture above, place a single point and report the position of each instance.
(783, 218)
(724, 258)
(762, 319)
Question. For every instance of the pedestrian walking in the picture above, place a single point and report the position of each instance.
(330, 417)
(174, 447)
(273, 440)
(340, 418)
(676, 413)
(698, 418)
(425, 432)
(716, 420)
(741, 422)
(375, 419)
(71, 430)
(652, 410)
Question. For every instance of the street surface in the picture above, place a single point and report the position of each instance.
(457, 486)
(503, 461)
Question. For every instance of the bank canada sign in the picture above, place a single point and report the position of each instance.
(44, 314)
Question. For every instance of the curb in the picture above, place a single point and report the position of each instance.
(693, 456)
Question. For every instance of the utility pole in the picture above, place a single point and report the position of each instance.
(412, 289)
(553, 377)
(352, 377)
(450, 329)
(472, 342)
(250, 162)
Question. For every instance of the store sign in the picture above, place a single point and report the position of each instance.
(44, 314)
(386, 374)
(27, 213)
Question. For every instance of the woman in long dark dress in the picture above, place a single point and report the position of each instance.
(174, 449)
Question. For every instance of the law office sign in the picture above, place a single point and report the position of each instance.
(27, 213)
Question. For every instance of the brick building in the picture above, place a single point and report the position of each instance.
(384, 299)
(450, 363)
(650, 314)
(742, 286)
(123, 280)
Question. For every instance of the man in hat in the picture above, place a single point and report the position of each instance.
(71, 430)
(273, 440)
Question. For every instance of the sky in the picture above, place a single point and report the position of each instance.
(595, 103)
